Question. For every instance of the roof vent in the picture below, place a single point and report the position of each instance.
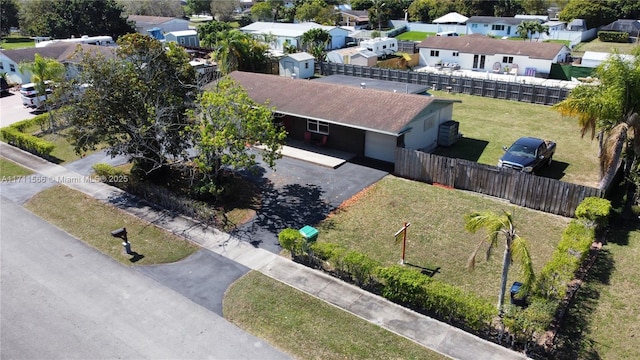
(363, 85)
(293, 76)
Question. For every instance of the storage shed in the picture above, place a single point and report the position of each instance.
(299, 65)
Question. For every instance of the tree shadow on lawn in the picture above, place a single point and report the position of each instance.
(465, 148)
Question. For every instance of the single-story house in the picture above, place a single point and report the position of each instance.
(358, 19)
(65, 53)
(555, 25)
(496, 26)
(365, 122)
(292, 33)
(145, 23)
(299, 65)
(631, 27)
(354, 56)
(451, 18)
(577, 25)
(183, 37)
(482, 53)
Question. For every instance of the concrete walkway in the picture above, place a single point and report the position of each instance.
(435, 335)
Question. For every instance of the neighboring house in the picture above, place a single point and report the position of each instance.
(292, 33)
(183, 37)
(496, 26)
(631, 27)
(145, 23)
(354, 56)
(482, 53)
(358, 19)
(65, 53)
(299, 65)
(366, 122)
(555, 25)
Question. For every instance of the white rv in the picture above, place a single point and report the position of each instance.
(381, 46)
(89, 40)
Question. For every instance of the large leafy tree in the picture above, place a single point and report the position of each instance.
(609, 110)
(199, 6)
(235, 50)
(228, 122)
(315, 41)
(65, 18)
(136, 103)
(211, 32)
(262, 11)
(595, 12)
(515, 247)
(8, 16)
(222, 10)
(318, 11)
(168, 8)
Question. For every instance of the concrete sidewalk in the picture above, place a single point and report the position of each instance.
(435, 335)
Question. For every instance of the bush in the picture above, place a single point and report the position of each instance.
(109, 174)
(16, 39)
(27, 142)
(292, 240)
(403, 285)
(594, 211)
(613, 36)
(360, 267)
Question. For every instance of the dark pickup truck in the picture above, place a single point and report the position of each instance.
(528, 154)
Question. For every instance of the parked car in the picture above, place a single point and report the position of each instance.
(528, 154)
(30, 96)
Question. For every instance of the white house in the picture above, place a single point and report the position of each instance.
(496, 26)
(482, 53)
(292, 33)
(363, 121)
(593, 58)
(145, 23)
(299, 65)
(183, 37)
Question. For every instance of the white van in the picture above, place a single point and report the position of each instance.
(30, 96)
(447, 33)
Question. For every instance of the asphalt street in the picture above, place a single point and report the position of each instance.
(62, 299)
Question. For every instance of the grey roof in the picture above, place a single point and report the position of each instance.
(366, 109)
(144, 20)
(389, 86)
(632, 27)
(498, 20)
(63, 52)
(480, 44)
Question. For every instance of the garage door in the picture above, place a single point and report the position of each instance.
(380, 146)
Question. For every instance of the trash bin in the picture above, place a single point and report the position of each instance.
(309, 233)
(515, 289)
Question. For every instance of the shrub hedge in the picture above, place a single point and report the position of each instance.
(15, 135)
(613, 36)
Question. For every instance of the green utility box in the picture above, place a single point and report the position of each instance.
(309, 233)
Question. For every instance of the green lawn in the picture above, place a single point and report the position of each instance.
(599, 46)
(414, 35)
(308, 328)
(17, 45)
(92, 222)
(10, 170)
(436, 237)
(488, 124)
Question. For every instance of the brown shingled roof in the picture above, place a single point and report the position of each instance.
(484, 45)
(355, 107)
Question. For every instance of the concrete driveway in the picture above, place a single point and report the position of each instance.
(62, 299)
(300, 193)
(12, 110)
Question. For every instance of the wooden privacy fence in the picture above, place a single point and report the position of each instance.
(544, 194)
(537, 94)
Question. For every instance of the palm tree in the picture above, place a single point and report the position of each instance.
(523, 29)
(515, 247)
(609, 110)
(44, 70)
(539, 29)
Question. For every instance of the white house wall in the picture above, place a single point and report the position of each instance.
(486, 29)
(380, 146)
(465, 60)
(338, 38)
(12, 70)
(425, 127)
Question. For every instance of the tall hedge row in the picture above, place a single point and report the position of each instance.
(14, 134)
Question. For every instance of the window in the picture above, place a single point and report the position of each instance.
(455, 53)
(473, 26)
(435, 53)
(182, 41)
(306, 65)
(507, 59)
(497, 27)
(384, 46)
(12, 68)
(319, 127)
(1, 65)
